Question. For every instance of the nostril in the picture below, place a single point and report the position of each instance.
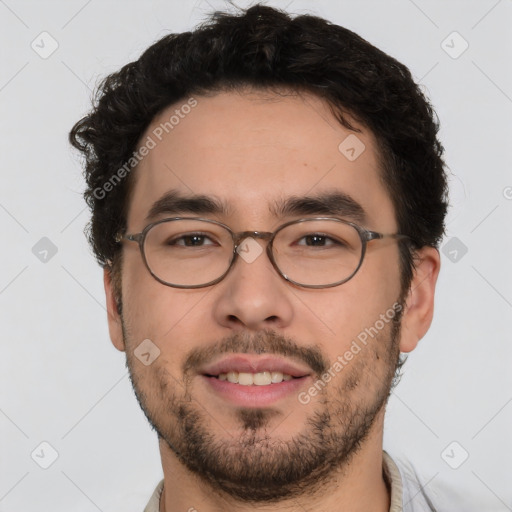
(233, 318)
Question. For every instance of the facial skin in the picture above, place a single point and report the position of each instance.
(251, 149)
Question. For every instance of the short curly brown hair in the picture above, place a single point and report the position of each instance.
(266, 48)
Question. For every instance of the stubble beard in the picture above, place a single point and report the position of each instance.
(257, 466)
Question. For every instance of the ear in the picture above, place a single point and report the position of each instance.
(419, 303)
(113, 316)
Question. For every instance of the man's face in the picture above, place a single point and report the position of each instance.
(251, 153)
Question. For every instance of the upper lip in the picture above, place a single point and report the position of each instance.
(254, 364)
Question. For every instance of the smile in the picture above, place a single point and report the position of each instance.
(265, 378)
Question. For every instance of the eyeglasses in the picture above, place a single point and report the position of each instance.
(189, 252)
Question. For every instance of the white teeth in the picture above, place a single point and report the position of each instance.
(256, 379)
(277, 376)
(245, 379)
(232, 377)
(262, 379)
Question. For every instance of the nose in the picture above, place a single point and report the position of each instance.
(253, 295)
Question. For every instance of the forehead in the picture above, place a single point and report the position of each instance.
(250, 151)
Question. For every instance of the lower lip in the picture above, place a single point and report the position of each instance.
(255, 396)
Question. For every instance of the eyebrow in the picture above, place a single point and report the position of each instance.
(333, 203)
(336, 203)
(173, 203)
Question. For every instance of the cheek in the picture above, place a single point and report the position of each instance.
(358, 305)
(379, 279)
(165, 315)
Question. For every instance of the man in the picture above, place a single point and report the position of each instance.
(267, 196)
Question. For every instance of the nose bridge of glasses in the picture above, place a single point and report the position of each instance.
(242, 235)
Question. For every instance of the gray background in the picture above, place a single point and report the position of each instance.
(61, 380)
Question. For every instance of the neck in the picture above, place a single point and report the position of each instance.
(359, 486)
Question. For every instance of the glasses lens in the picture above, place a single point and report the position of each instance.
(318, 252)
(188, 252)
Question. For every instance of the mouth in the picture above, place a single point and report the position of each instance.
(265, 378)
(253, 381)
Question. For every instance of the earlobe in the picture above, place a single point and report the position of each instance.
(113, 315)
(419, 303)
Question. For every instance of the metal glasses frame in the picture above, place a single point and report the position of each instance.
(364, 234)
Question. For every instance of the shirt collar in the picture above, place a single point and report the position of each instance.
(394, 481)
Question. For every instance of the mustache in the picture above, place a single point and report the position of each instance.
(262, 342)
